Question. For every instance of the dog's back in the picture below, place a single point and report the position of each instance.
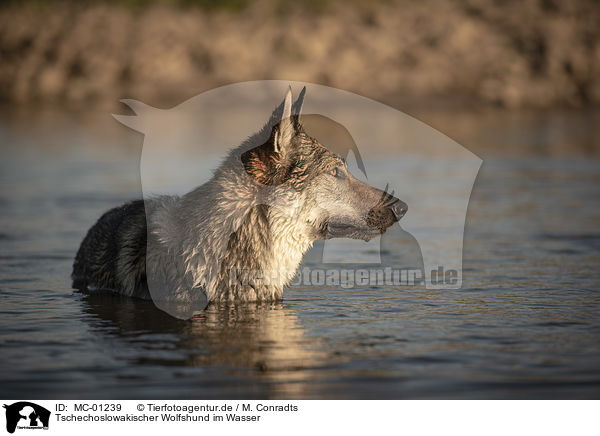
(112, 256)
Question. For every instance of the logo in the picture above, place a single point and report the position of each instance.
(380, 146)
(26, 415)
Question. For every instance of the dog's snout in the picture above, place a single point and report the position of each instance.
(399, 209)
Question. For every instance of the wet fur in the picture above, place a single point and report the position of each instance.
(261, 211)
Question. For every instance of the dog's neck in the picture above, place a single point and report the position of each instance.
(262, 256)
(255, 247)
(290, 239)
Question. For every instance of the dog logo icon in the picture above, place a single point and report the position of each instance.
(26, 415)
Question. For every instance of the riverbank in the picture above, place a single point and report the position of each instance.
(530, 54)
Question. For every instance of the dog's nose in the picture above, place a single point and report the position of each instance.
(399, 209)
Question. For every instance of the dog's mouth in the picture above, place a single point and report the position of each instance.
(337, 230)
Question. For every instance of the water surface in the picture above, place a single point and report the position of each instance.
(526, 323)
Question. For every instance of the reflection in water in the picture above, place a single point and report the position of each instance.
(265, 337)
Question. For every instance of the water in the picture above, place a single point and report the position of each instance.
(526, 323)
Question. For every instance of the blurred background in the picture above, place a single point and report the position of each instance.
(512, 63)
(516, 82)
(532, 53)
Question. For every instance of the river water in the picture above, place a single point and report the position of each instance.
(525, 324)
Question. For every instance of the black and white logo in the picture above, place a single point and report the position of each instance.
(26, 415)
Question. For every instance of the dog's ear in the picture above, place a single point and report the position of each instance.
(297, 110)
(297, 106)
(287, 104)
(284, 132)
(264, 162)
(290, 122)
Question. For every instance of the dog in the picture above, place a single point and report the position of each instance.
(242, 235)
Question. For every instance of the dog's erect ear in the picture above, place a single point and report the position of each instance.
(297, 110)
(283, 134)
(263, 161)
(297, 106)
(287, 104)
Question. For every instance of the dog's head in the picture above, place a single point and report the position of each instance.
(327, 197)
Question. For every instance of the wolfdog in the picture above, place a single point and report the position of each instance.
(270, 199)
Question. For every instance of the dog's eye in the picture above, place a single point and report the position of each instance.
(336, 172)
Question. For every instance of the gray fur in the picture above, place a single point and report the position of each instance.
(271, 198)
